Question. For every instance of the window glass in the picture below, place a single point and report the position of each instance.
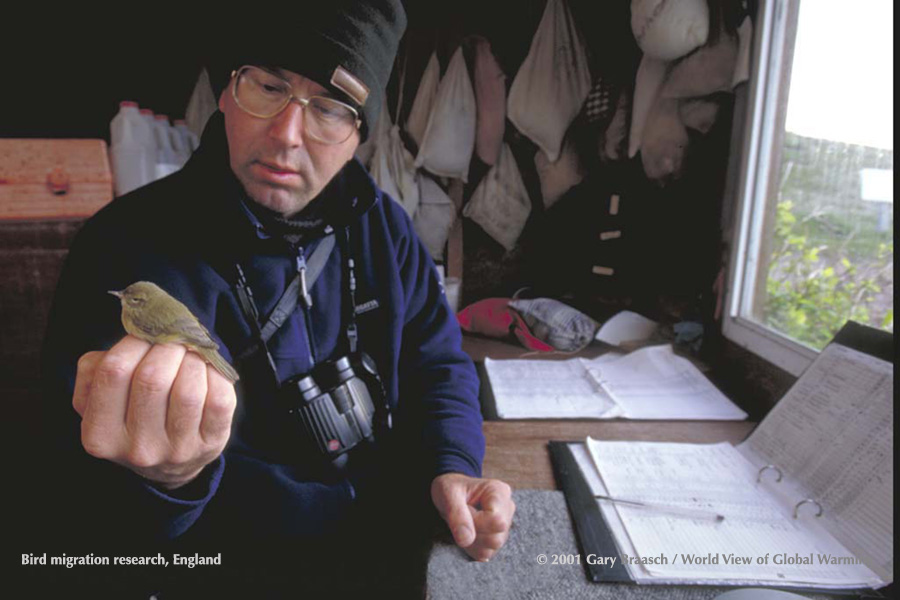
(826, 250)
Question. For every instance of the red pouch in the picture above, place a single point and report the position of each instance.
(494, 318)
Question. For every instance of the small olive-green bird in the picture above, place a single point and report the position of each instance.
(149, 313)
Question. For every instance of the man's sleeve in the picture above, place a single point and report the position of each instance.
(436, 376)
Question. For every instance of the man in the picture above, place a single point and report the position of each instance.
(167, 450)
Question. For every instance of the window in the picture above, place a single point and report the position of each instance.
(814, 232)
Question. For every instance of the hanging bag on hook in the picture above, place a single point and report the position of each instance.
(490, 97)
(669, 29)
(392, 165)
(450, 135)
(558, 177)
(552, 83)
(501, 204)
(649, 79)
(417, 120)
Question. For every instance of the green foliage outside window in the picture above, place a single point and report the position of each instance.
(814, 288)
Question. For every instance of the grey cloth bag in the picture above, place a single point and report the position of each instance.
(556, 323)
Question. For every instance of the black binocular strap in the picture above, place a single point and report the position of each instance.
(288, 300)
(350, 306)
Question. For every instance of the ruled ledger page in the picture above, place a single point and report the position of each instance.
(832, 437)
(655, 383)
(651, 383)
(757, 542)
(550, 389)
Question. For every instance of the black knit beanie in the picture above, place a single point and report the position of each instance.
(346, 46)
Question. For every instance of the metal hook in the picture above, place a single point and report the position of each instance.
(806, 501)
(763, 470)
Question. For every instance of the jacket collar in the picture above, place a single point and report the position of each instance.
(349, 195)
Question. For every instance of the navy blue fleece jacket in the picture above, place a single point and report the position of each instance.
(186, 233)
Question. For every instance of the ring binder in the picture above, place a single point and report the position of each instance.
(804, 501)
(797, 506)
(845, 394)
(763, 470)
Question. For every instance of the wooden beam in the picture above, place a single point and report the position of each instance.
(455, 240)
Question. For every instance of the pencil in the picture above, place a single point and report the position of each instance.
(691, 513)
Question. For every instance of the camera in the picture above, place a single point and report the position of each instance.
(338, 406)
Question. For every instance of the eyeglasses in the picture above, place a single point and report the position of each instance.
(263, 94)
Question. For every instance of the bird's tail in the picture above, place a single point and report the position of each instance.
(218, 362)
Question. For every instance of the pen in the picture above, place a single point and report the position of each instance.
(692, 513)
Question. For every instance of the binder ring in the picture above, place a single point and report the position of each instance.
(805, 501)
(763, 470)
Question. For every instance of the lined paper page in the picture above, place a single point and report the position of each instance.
(715, 477)
(549, 389)
(832, 434)
(613, 522)
(655, 383)
(651, 383)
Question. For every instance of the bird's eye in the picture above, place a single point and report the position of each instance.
(134, 301)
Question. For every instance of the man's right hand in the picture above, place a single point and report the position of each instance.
(158, 410)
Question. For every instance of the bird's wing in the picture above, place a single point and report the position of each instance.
(194, 332)
(147, 326)
(184, 328)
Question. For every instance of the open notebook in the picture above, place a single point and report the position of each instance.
(650, 383)
(807, 498)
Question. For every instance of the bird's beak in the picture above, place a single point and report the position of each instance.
(116, 294)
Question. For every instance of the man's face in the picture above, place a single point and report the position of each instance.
(279, 166)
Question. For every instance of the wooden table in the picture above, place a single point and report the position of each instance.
(517, 450)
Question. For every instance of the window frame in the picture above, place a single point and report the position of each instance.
(763, 127)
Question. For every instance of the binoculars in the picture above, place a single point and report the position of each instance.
(335, 405)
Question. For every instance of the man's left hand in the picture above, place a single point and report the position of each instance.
(479, 512)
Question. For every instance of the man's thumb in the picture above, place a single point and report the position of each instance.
(459, 519)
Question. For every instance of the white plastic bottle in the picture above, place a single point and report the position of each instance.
(166, 159)
(129, 158)
(190, 138)
(182, 153)
(152, 146)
